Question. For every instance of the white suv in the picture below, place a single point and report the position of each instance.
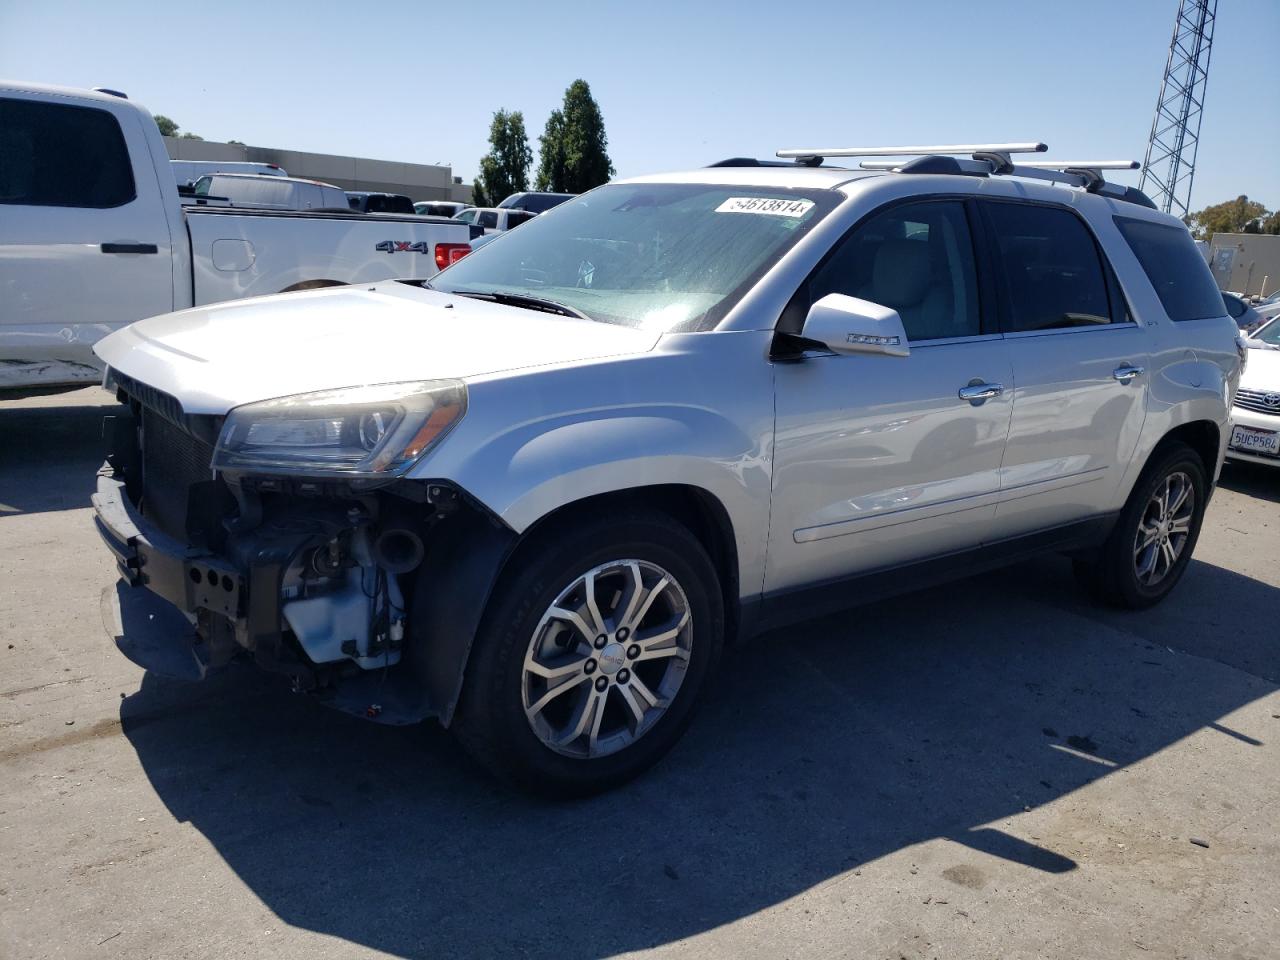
(534, 497)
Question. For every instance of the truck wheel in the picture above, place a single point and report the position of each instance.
(592, 655)
(1150, 547)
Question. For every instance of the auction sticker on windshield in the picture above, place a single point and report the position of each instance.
(769, 205)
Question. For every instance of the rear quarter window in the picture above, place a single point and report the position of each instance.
(57, 155)
(1175, 268)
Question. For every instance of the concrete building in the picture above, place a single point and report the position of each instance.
(1247, 263)
(418, 181)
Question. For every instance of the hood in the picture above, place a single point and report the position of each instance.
(1262, 371)
(218, 357)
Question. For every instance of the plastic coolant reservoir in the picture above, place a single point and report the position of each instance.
(324, 623)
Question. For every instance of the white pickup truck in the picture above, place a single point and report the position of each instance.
(93, 236)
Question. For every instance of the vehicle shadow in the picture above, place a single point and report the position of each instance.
(49, 455)
(822, 748)
(1252, 479)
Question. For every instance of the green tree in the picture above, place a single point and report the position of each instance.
(1240, 215)
(574, 147)
(505, 168)
(551, 154)
(1271, 224)
(169, 128)
(478, 197)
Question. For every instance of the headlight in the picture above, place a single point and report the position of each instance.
(375, 431)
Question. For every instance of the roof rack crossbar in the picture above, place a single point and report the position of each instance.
(1083, 164)
(952, 149)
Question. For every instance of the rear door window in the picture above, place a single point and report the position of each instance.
(1174, 266)
(57, 155)
(489, 219)
(1049, 269)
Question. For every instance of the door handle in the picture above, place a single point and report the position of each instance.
(130, 248)
(1126, 373)
(978, 392)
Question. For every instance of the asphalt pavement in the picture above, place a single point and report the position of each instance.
(993, 768)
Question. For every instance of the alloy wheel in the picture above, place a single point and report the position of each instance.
(1164, 529)
(607, 659)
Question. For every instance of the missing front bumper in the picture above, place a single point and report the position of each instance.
(175, 608)
(145, 557)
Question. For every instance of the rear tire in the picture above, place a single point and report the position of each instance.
(593, 654)
(1151, 544)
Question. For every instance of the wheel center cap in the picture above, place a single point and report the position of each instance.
(612, 657)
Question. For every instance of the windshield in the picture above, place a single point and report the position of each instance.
(658, 256)
(1269, 333)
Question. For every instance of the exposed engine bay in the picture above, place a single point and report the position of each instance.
(317, 580)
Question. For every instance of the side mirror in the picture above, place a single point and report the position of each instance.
(850, 325)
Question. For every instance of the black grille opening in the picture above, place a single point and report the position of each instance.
(172, 461)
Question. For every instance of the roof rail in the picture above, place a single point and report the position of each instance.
(748, 162)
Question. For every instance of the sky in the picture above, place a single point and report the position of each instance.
(680, 84)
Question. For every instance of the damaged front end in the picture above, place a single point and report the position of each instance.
(363, 590)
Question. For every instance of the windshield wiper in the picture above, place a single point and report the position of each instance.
(522, 300)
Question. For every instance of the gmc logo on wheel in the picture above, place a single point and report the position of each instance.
(403, 246)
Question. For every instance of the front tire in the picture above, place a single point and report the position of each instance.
(1150, 547)
(592, 655)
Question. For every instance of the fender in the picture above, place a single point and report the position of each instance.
(527, 474)
(553, 456)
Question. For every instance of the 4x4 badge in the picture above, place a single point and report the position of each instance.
(403, 246)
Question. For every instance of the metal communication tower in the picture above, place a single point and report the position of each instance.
(1170, 164)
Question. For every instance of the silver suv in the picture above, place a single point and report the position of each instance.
(534, 497)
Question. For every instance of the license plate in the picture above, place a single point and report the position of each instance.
(1255, 441)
